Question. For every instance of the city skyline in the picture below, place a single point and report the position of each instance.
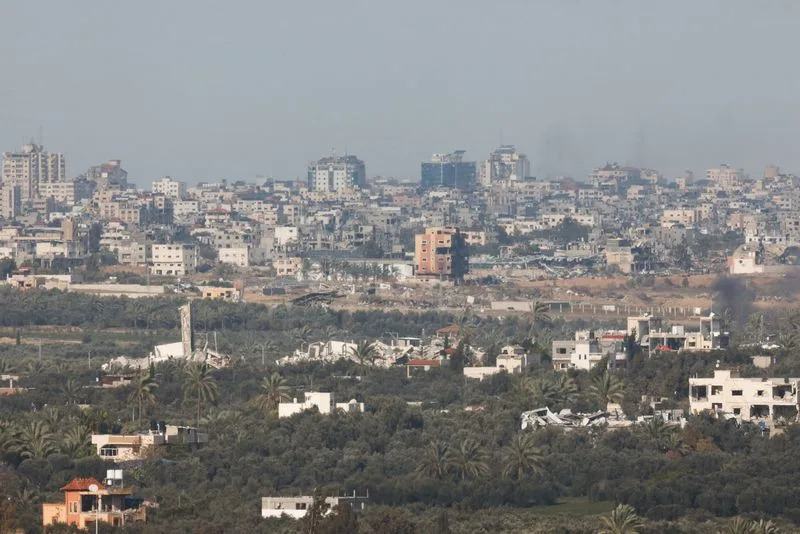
(578, 84)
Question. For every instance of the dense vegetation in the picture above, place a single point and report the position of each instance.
(436, 452)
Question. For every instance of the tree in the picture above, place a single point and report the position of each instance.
(739, 525)
(71, 391)
(199, 383)
(364, 352)
(35, 440)
(623, 520)
(468, 460)
(143, 393)
(522, 457)
(539, 314)
(342, 520)
(273, 390)
(607, 388)
(435, 461)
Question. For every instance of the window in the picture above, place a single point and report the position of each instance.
(760, 392)
(737, 411)
(736, 392)
(109, 451)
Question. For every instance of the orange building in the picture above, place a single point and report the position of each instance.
(440, 251)
(87, 500)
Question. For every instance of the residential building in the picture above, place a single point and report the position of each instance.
(287, 266)
(725, 176)
(109, 174)
(175, 259)
(440, 251)
(512, 359)
(87, 501)
(324, 402)
(10, 201)
(337, 174)
(62, 192)
(503, 164)
(297, 507)
(170, 188)
(238, 256)
(767, 400)
(32, 166)
(708, 336)
(123, 447)
(449, 171)
(588, 349)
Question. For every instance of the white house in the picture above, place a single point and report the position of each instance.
(324, 402)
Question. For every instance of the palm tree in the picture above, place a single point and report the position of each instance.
(303, 334)
(765, 527)
(623, 520)
(740, 525)
(75, 442)
(273, 391)
(199, 382)
(522, 457)
(540, 313)
(468, 460)
(6, 367)
(659, 433)
(143, 393)
(364, 351)
(71, 391)
(607, 388)
(35, 440)
(435, 461)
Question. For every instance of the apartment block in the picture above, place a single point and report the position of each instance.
(175, 259)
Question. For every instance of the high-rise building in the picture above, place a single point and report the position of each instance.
(170, 188)
(449, 171)
(442, 252)
(505, 163)
(110, 174)
(32, 166)
(336, 174)
(725, 175)
(10, 202)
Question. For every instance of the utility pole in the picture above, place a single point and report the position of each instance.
(40, 350)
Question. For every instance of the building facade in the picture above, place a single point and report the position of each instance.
(449, 171)
(440, 251)
(174, 259)
(336, 174)
(174, 189)
(505, 163)
(31, 167)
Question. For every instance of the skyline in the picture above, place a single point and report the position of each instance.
(176, 94)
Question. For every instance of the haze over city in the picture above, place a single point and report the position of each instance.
(202, 91)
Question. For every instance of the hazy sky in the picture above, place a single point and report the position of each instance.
(203, 90)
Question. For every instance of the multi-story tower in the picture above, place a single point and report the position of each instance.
(32, 166)
(450, 171)
(170, 188)
(442, 252)
(336, 174)
(505, 163)
(110, 174)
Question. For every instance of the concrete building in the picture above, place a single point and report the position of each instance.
(120, 447)
(512, 359)
(708, 336)
(170, 188)
(588, 349)
(297, 507)
(62, 192)
(324, 402)
(31, 167)
(725, 176)
(238, 256)
(448, 171)
(109, 174)
(287, 266)
(174, 259)
(767, 400)
(337, 174)
(10, 201)
(87, 501)
(504, 164)
(440, 251)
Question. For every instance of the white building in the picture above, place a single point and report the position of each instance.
(170, 188)
(336, 174)
(324, 402)
(31, 167)
(63, 192)
(587, 350)
(512, 359)
(174, 259)
(286, 234)
(297, 507)
(503, 164)
(753, 399)
(238, 256)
